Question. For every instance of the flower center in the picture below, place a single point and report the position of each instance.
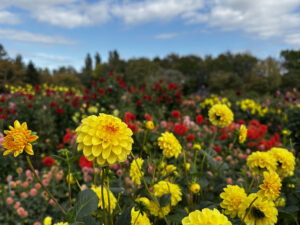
(257, 213)
(218, 117)
(111, 129)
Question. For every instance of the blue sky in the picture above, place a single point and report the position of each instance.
(61, 32)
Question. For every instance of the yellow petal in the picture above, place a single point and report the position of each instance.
(96, 141)
(96, 149)
(24, 125)
(112, 158)
(28, 149)
(17, 125)
(87, 140)
(7, 152)
(106, 153)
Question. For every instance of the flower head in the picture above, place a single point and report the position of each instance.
(112, 199)
(137, 218)
(150, 125)
(104, 138)
(165, 187)
(169, 144)
(261, 212)
(195, 188)
(220, 115)
(135, 170)
(261, 161)
(232, 198)
(17, 139)
(206, 217)
(243, 134)
(271, 186)
(285, 161)
(47, 220)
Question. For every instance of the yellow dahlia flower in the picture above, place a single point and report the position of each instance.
(169, 144)
(285, 161)
(206, 217)
(104, 138)
(195, 188)
(197, 147)
(169, 169)
(17, 139)
(156, 210)
(271, 186)
(150, 125)
(137, 218)
(261, 212)
(165, 187)
(259, 162)
(112, 199)
(220, 115)
(47, 220)
(143, 200)
(232, 197)
(243, 134)
(280, 202)
(136, 170)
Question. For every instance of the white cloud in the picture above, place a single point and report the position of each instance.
(293, 39)
(8, 18)
(148, 10)
(19, 35)
(166, 35)
(65, 13)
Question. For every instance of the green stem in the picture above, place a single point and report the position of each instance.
(144, 141)
(195, 160)
(102, 196)
(251, 184)
(247, 211)
(69, 181)
(109, 207)
(202, 164)
(95, 174)
(39, 181)
(147, 189)
(137, 217)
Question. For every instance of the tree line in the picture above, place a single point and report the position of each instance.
(241, 72)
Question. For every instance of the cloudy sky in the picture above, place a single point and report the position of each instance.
(61, 32)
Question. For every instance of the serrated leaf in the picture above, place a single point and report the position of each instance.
(87, 202)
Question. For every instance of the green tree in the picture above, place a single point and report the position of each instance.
(291, 64)
(32, 76)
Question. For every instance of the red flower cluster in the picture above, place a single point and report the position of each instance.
(130, 120)
(67, 136)
(180, 129)
(199, 119)
(83, 162)
(256, 130)
(48, 161)
(175, 114)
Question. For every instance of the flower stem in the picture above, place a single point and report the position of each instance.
(147, 188)
(39, 181)
(247, 211)
(102, 195)
(69, 182)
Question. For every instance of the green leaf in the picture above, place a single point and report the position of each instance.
(125, 218)
(88, 220)
(164, 200)
(87, 202)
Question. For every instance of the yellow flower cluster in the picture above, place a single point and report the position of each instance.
(213, 100)
(253, 107)
(104, 138)
(169, 144)
(276, 159)
(206, 217)
(17, 139)
(220, 115)
(243, 134)
(136, 170)
(112, 200)
(169, 169)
